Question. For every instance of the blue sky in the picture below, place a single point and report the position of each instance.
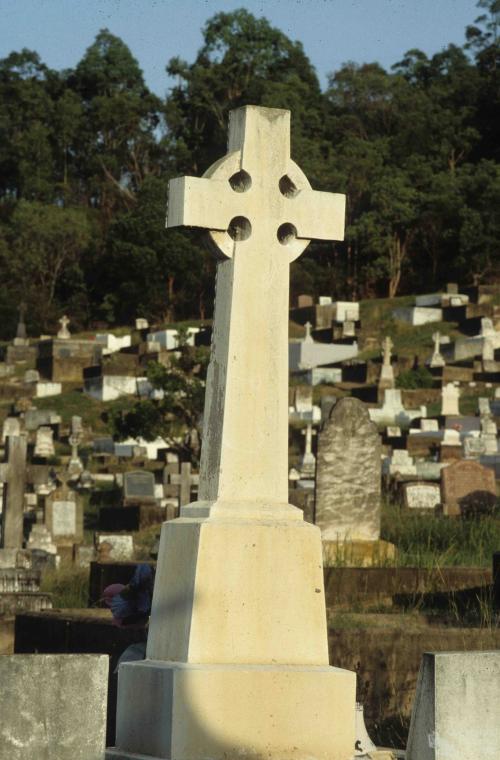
(331, 31)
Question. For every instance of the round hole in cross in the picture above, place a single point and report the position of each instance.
(287, 233)
(241, 181)
(287, 188)
(239, 228)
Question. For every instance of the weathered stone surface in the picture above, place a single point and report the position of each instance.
(348, 475)
(13, 506)
(457, 706)
(53, 706)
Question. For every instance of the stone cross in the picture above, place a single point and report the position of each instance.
(185, 480)
(75, 465)
(436, 359)
(308, 337)
(64, 333)
(238, 607)
(308, 461)
(13, 475)
(387, 347)
(261, 213)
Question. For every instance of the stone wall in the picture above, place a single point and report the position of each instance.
(386, 656)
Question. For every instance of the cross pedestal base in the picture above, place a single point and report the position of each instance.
(246, 590)
(237, 655)
(179, 711)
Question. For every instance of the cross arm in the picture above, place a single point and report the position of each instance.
(317, 215)
(200, 202)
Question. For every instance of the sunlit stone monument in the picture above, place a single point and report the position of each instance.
(237, 654)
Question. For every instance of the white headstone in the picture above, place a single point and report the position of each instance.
(64, 333)
(63, 518)
(450, 394)
(429, 426)
(422, 495)
(44, 443)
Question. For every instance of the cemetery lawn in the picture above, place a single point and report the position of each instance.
(430, 541)
(75, 402)
(416, 340)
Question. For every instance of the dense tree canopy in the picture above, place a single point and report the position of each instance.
(86, 155)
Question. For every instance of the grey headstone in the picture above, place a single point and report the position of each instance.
(139, 485)
(104, 445)
(348, 474)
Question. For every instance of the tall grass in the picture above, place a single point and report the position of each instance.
(69, 585)
(434, 541)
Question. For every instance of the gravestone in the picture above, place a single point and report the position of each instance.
(467, 487)
(449, 399)
(348, 475)
(64, 517)
(456, 710)
(139, 487)
(308, 460)
(44, 443)
(429, 426)
(387, 373)
(474, 446)
(393, 431)
(218, 579)
(424, 496)
(21, 351)
(75, 464)
(183, 482)
(31, 376)
(118, 547)
(483, 404)
(64, 333)
(303, 399)
(14, 478)
(401, 463)
(21, 334)
(437, 359)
